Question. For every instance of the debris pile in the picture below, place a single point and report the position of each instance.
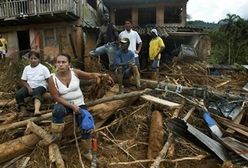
(187, 118)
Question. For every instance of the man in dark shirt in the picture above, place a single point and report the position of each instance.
(125, 64)
(107, 41)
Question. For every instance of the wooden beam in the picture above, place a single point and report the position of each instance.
(160, 101)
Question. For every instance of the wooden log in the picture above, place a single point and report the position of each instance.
(54, 152)
(32, 127)
(91, 103)
(55, 156)
(168, 143)
(200, 92)
(156, 136)
(16, 147)
(24, 123)
(11, 118)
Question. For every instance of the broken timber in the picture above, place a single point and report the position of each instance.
(91, 103)
(160, 101)
(16, 147)
(201, 92)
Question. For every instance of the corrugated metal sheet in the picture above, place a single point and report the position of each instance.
(162, 30)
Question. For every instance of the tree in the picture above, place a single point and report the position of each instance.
(230, 40)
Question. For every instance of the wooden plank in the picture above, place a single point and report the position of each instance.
(237, 120)
(160, 101)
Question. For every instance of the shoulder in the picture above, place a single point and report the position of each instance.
(27, 67)
(43, 66)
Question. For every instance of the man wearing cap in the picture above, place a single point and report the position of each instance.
(134, 39)
(125, 64)
(3, 47)
(156, 46)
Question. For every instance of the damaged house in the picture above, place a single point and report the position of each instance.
(71, 26)
(169, 18)
(47, 26)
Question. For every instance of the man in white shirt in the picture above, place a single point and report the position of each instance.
(134, 39)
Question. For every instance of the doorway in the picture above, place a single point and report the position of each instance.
(23, 42)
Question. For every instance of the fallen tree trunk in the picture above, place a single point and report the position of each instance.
(169, 142)
(156, 136)
(91, 103)
(32, 127)
(16, 147)
(201, 92)
(54, 152)
(55, 156)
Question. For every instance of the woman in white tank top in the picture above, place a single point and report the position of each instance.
(64, 87)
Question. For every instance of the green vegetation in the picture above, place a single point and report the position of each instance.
(229, 39)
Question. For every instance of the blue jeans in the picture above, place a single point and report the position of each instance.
(137, 62)
(155, 63)
(60, 111)
(109, 49)
(126, 71)
(22, 93)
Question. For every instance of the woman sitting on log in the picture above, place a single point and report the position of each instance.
(64, 87)
(34, 80)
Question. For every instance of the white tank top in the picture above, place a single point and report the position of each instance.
(72, 93)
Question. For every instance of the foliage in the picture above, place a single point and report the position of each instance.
(202, 24)
(229, 41)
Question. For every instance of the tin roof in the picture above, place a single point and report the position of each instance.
(162, 30)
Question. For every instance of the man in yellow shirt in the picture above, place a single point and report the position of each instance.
(3, 47)
(156, 46)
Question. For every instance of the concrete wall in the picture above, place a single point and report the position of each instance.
(46, 38)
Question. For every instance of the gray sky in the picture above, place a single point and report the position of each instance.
(215, 10)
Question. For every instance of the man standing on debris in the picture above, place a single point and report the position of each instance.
(64, 87)
(107, 42)
(34, 80)
(125, 64)
(3, 47)
(134, 39)
(156, 46)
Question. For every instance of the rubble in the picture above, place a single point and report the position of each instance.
(125, 123)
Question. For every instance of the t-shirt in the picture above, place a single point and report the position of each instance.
(134, 39)
(124, 58)
(3, 42)
(155, 45)
(36, 76)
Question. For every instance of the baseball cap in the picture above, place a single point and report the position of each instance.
(125, 40)
(154, 31)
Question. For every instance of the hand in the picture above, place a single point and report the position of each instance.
(129, 63)
(136, 52)
(75, 108)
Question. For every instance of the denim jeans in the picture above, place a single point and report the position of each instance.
(59, 113)
(155, 63)
(137, 62)
(125, 71)
(109, 49)
(22, 93)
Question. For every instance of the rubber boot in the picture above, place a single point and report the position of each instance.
(120, 79)
(37, 105)
(57, 129)
(136, 75)
(86, 149)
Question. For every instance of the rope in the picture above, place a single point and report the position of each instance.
(76, 140)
